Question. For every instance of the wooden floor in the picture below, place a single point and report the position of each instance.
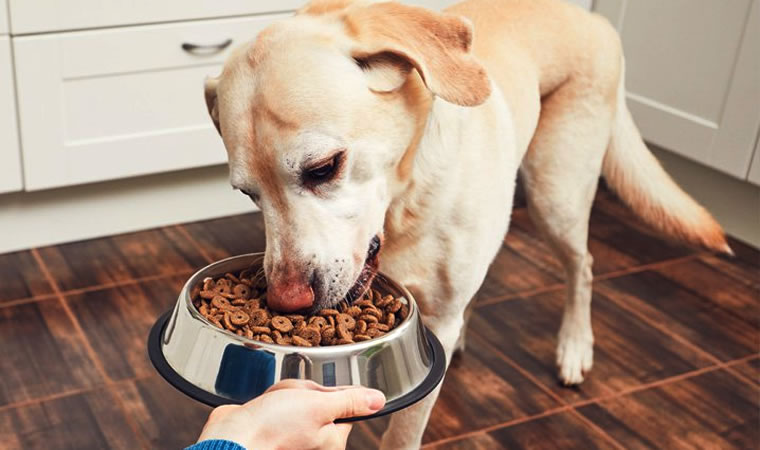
(676, 359)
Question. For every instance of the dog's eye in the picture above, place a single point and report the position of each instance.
(324, 171)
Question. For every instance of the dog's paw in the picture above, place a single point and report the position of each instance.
(575, 356)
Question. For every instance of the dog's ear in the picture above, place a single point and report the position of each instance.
(209, 89)
(394, 38)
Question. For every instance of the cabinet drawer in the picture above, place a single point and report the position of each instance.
(34, 16)
(105, 104)
(4, 17)
(10, 165)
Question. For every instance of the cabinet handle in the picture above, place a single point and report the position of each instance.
(210, 49)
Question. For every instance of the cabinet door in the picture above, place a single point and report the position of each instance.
(105, 104)
(10, 165)
(691, 75)
(34, 16)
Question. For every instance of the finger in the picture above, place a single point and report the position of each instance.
(350, 403)
(293, 383)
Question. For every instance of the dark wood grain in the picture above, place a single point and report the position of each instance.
(121, 258)
(558, 431)
(90, 420)
(744, 267)
(750, 370)
(479, 391)
(230, 236)
(697, 302)
(21, 277)
(712, 410)
(167, 418)
(42, 355)
(117, 321)
(512, 273)
(628, 351)
(620, 232)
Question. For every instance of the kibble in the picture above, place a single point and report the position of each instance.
(237, 303)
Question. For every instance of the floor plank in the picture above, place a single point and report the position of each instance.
(695, 301)
(21, 277)
(750, 370)
(480, 391)
(167, 418)
(712, 410)
(558, 431)
(42, 354)
(236, 235)
(744, 267)
(628, 352)
(117, 321)
(511, 273)
(120, 258)
(89, 420)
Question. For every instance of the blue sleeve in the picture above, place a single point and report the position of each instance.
(216, 444)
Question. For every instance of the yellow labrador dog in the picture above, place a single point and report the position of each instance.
(378, 134)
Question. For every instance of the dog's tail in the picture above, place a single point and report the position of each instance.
(636, 176)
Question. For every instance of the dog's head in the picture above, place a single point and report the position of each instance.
(321, 116)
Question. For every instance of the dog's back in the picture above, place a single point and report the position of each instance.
(548, 55)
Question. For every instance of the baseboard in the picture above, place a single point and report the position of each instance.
(734, 203)
(35, 219)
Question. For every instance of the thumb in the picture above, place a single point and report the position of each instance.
(351, 403)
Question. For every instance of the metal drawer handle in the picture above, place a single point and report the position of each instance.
(206, 49)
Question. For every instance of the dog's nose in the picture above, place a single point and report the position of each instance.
(290, 294)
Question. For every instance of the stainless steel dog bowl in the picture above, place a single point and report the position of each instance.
(217, 367)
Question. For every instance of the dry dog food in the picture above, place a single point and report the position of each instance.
(237, 303)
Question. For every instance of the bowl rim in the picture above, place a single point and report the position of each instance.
(203, 272)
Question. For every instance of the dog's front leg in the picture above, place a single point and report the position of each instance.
(407, 426)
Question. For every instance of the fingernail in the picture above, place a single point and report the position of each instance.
(375, 399)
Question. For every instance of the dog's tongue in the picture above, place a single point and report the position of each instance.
(364, 281)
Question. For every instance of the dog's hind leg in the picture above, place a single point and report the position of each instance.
(561, 172)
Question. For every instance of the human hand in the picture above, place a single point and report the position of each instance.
(293, 414)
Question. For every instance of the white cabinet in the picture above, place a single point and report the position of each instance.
(10, 167)
(33, 16)
(106, 104)
(692, 71)
(4, 17)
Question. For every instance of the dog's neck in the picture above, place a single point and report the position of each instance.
(432, 175)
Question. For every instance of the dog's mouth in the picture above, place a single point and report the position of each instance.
(369, 270)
